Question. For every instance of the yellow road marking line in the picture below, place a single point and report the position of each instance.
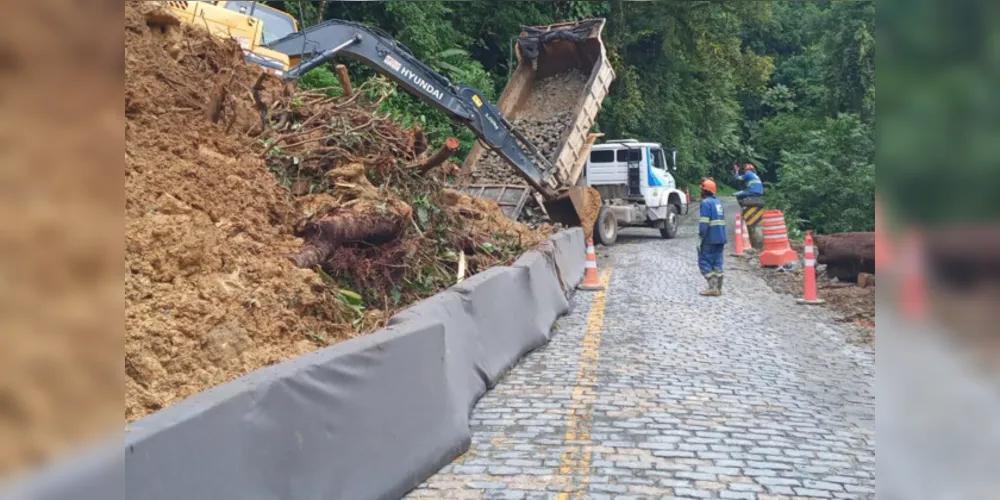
(576, 459)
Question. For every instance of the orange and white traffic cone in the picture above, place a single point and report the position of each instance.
(591, 281)
(913, 296)
(810, 297)
(739, 236)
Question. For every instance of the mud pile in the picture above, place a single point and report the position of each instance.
(208, 295)
(213, 230)
(60, 230)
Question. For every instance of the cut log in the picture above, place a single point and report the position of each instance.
(345, 80)
(845, 246)
(846, 254)
(448, 149)
(962, 257)
(324, 235)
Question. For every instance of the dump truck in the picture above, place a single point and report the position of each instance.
(544, 52)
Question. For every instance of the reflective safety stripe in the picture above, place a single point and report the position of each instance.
(590, 265)
(775, 236)
(809, 249)
(811, 262)
(705, 220)
(718, 223)
(775, 219)
(751, 183)
(590, 249)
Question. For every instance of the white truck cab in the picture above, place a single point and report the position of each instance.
(636, 187)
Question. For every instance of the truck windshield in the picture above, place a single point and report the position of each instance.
(658, 159)
(277, 24)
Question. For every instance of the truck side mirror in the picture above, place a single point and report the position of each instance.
(673, 160)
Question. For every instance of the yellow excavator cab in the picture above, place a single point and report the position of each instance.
(277, 24)
(251, 24)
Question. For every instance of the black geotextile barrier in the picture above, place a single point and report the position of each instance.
(371, 417)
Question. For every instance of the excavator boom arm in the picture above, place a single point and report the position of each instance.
(464, 104)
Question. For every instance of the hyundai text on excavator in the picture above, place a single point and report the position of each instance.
(317, 45)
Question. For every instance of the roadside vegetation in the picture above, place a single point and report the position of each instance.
(789, 86)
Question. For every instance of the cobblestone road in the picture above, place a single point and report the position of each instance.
(651, 391)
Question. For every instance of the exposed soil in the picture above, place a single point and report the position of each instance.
(60, 230)
(212, 288)
(589, 215)
(208, 293)
(854, 305)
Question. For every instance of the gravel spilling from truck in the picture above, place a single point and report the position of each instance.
(543, 119)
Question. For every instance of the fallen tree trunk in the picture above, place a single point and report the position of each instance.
(962, 257)
(846, 254)
(323, 236)
(845, 246)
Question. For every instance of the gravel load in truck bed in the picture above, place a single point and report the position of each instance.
(544, 120)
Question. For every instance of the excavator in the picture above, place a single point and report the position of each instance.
(319, 44)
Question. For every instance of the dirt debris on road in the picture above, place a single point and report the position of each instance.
(854, 304)
(593, 204)
(213, 230)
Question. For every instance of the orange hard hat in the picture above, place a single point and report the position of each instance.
(748, 167)
(708, 185)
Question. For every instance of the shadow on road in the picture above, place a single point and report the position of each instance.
(635, 235)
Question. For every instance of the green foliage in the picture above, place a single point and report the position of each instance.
(321, 78)
(812, 128)
(680, 68)
(828, 183)
(789, 85)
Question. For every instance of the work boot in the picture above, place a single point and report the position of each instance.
(710, 291)
(718, 287)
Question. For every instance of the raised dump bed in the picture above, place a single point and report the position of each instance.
(562, 77)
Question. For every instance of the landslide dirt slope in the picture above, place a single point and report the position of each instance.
(208, 293)
(211, 290)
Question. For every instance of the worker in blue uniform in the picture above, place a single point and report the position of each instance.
(753, 187)
(712, 239)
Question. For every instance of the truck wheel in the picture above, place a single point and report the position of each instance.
(669, 230)
(606, 228)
